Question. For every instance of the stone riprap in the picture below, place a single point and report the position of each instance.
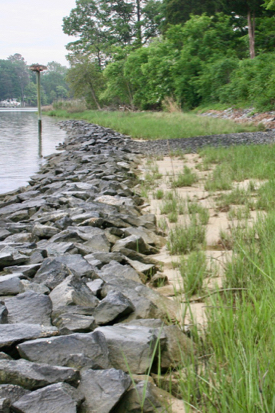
(192, 145)
(76, 257)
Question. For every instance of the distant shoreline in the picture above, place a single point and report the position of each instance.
(18, 109)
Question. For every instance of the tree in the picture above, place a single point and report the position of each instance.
(52, 79)
(102, 24)
(86, 80)
(249, 9)
(22, 72)
(179, 11)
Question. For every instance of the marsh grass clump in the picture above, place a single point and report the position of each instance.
(221, 179)
(186, 237)
(196, 208)
(238, 196)
(266, 196)
(240, 214)
(172, 206)
(193, 271)
(158, 194)
(186, 178)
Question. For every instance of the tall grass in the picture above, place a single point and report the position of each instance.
(157, 125)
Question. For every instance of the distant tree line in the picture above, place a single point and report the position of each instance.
(139, 53)
(18, 82)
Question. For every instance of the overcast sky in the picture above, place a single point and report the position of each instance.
(33, 28)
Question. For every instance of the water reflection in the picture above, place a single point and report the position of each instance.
(22, 149)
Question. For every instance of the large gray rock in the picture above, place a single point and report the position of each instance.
(10, 284)
(132, 242)
(55, 249)
(77, 265)
(73, 319)
(73, 291)
(178, 348)
(13, 333)
(56, 398)
(27, 270)
(115, 305)
(12, 392)
(10, 256)
(102, 389)
(52, 272)
(32, 375)
(147, 303)
(116, 271)
(131, 348)
(44, 231)
(75, 350)
(5, 405)
(145, 398)
(30, 308)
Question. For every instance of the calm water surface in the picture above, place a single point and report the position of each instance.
(21, 151)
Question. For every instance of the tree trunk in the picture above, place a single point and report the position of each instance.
(251, 33)
(94, 96)
(139, 34)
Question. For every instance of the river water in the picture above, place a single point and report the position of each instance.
(21, 151)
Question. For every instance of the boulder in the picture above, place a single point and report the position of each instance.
(145, 397)
(10, 284)
(30, 308)
(116, 271)
(102, 389)
(13, 333)
(51, 273)
(32, 375)
(131, 348)
(59, 397)
(12, 392)
(77, 350)
(114, 306)
(73, 291)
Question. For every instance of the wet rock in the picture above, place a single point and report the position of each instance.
(29, 307)
(13, 333)
(77, 350)
(102, 389)
(32, 375)
(115, 305)
(60, 397)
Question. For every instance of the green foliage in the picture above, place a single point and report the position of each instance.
(161, 125)
(86, 80)
(186, 178)
(193, 271)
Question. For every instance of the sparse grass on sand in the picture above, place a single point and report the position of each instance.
(233, 367)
